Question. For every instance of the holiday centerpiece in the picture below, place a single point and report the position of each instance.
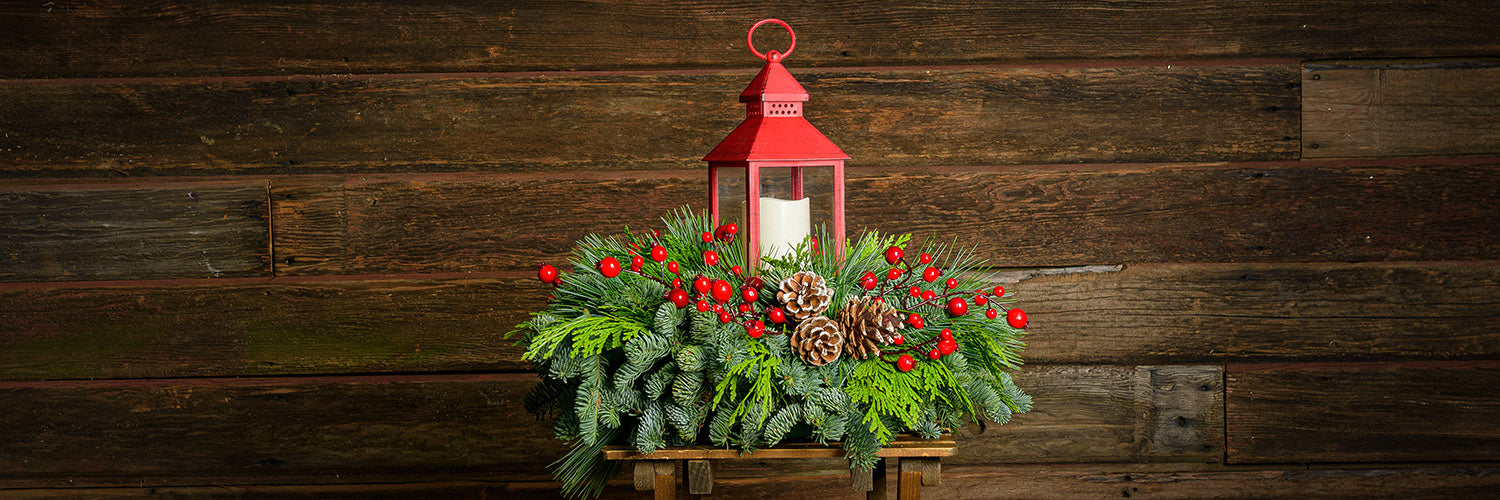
(699, 333)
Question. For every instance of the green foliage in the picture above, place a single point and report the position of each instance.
(622, 365)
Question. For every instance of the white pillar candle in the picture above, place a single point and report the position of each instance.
(784, 224)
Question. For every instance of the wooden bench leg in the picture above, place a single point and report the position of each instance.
(700, 475)
(877, 489)
(918, 472)
(659, 476)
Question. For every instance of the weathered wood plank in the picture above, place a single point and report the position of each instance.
(1021, 216)
(1400, 108)
(110, 231)
(256, 327)
(890, 116)
(224, 38)
(1380, 412)
(146, 431)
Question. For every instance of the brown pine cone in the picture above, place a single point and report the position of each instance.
(818, 341)
(867, 325)
(805, 295)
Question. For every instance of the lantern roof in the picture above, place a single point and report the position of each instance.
(774, 128)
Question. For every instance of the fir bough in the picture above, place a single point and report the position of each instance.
(623, 365)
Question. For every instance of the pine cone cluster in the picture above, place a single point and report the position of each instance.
(818, 341)
(868, 324)
(805, 295)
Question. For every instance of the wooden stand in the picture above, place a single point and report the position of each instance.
(918, 464)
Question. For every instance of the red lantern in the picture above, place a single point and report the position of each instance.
(776, 136)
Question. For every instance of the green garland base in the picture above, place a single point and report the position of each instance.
(622, 364)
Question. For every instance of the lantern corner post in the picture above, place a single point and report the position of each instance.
(713, 195)
(752, 215)
(838, 209)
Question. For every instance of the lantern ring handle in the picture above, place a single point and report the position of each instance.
(772, 56)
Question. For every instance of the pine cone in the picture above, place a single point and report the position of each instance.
(867, 325)
(818, 341)
(805, 295)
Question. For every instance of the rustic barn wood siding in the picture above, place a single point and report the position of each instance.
(271, 250)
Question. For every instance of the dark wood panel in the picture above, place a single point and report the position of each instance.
(1239, 312)
(890, 116)
(1022, 216)
(1380, 412)
(259, 327)
(1059, 481)
(89, 232)
(147, 431)
(225, 38)
(1400, 108)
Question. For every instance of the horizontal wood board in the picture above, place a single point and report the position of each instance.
(887, 116)
(1363, 412)
(1400, 108)
(1200, 313)
(117, 38)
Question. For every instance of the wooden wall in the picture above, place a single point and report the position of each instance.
(269, 251)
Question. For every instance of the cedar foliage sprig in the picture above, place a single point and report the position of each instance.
(622, 365)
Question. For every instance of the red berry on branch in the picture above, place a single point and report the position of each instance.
(951, 283)
(676, 282)
(946, 334)
(916, 321)
(749, 294)
(711, 258)
(946, 347)
(869, 275)
(915, 292)
(724, 317)
(679, 297)
(658, 253)
(1016, 318)
(656, 233)
(894, 254)
(925, 258)
(991, 313)
(934, 354)
(905, 363)
(718, 308)
(776, 315)
(980, 300)
(754, 332)
(893, 274)
(999, 291)
(868, 283)
(755, 283)
(702, 306)
(929, 295)
(707, 237)
(958, 307)
(930, 274)
(736, 270)
(722, 291)
(744, 308)
(636, 262)
(702, 285)
(609, 267)
(898, 340)
(547, 274)
(672, 267)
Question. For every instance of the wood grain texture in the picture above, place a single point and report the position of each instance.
(1381, 412)
(1016, 216)
(115, 38)
(256, 327)
(1400, 108)
(888, 116)
(171, 430)
(115, 231)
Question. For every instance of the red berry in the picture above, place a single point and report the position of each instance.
(744, 308)
(658, 253)
(929, 295)
(702, 285)
(898, 340)
(934, 354)
(736, 270)
(924, 258)
(656, 233)
(755, 283)
(814, 243)
(946, 334)
(707, 237)
(905, 363)
(672, 267)
(676, 282)
(999, 291)
(916, 321)
(946, 347)
(727, 230)
(547, 274)
(776, 315)
(754, 332)
(718, 308)
(1016, 318)
(702, 305)
(711, 258)
(893, 274)
(724, 317)
(679, 297)
(930, 274)
(868, 283)
(951, 283)
(722, 291)
(869, 275)
(609, 267)
(636, 261)
(915, 291)
(893, 255)
(749, 294)
(980, 300)
(991, 313)
(957, 306)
